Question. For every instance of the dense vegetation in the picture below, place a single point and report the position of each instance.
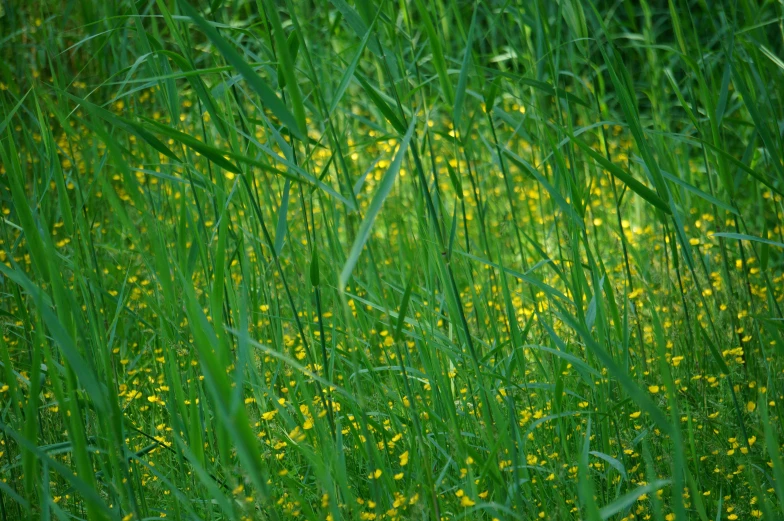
(427, 259)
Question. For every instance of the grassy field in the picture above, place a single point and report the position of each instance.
(427, 259)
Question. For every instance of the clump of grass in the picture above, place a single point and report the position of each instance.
(438, 260)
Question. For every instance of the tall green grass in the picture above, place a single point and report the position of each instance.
(397, 260)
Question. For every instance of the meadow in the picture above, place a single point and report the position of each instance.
(425, 259)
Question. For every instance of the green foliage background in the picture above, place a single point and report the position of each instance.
(425, 259)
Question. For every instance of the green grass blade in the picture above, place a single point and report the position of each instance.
(387, 182)
(266, 94)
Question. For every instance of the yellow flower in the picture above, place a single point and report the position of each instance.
(653, 388)
(751, 406)
(466, 501)
(404, 459)
(635, 415)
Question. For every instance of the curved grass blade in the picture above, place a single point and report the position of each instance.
(636, 186)
(375, 207)
(286, 51)
(744, 237)
(382, 105)
(567, 209)
(349, 72)
(463, 79)
(627, 500)
(267, 95)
